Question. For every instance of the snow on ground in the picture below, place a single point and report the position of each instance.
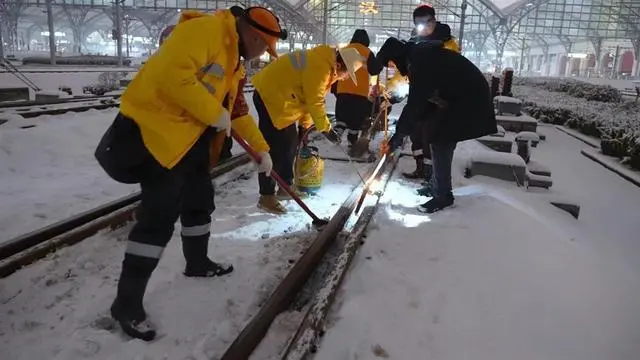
(48, 172)
(483, 281)
(502, 275)
(51, 81)
(57, 308)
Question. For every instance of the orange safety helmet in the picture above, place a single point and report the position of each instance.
(267, 25)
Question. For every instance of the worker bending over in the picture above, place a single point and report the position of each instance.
(448, 111)
(292, 90)
(168, 115)
(353, 106)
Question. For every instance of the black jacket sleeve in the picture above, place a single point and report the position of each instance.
(373, 65)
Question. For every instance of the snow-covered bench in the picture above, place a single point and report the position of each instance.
(507, 105)
(499, 165)
(517, 123)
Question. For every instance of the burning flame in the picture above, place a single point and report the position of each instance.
(375, 186)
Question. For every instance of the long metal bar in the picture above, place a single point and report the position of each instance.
(311, 327)
(255, 330)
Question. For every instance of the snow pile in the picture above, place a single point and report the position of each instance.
(484, 280)
(575, 88)
(617, 124)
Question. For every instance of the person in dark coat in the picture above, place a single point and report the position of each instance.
(450, 96)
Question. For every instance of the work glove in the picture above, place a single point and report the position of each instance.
(223, 122)
(266, 164)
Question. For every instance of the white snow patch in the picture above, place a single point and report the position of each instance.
(496, 157)
(481, 274)
(527, 136)
(507, 99)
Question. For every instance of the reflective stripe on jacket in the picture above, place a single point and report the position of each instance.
(293, 87)
(347, 85)
(180, 90)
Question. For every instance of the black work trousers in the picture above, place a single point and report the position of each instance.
(282, 144)
(352, 113)
(419, 147)
(185, 191)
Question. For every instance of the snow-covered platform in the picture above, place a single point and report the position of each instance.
(493, 278)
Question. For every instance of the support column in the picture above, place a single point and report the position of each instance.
(463, 9)
(636, 57)
(118, 26)
(521, 67)
(597, 49)
(325, 21)
(616, 63)
(52, 33)
(1, 45)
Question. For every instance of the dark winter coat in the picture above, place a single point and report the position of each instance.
(466, 108)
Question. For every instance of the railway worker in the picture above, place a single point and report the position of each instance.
(427, 28)
(292, 90)
(452, 100)
(180, 98)
(220, 144)
(353, 106)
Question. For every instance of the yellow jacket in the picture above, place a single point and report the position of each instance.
(293, 87)
(452, 44)
(179, 92)
(347, 86)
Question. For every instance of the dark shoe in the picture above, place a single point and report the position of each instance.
(127, 308)
(352, 138)
(198, 264)
(134, 324)
(436, 204)
(207, 268)
(418, 173)
(426, 190)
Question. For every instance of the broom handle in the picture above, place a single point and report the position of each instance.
(274, 175)
(386, 120)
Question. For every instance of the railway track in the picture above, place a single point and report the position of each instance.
(28, 248)
(304, 341)
(31, 109)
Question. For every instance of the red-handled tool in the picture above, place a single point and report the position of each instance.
(317, 222)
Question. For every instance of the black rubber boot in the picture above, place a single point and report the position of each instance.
(419, 172)
(127, 308)
(198, 264)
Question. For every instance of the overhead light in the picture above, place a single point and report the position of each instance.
(368, 7)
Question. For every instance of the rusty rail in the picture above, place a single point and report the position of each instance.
(253, 333)
(26, 249)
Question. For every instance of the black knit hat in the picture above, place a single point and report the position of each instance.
(360, 36)
(422, 11)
